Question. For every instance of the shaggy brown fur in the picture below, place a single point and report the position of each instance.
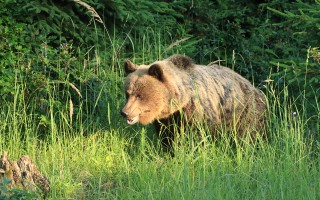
(216, 94)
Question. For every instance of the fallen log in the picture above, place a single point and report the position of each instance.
(23, 174)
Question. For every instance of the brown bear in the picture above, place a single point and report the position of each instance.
(160, 92)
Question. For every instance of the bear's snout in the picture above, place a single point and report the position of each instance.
(130, 120)
(123, 113)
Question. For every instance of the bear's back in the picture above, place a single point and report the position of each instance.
(222, 76)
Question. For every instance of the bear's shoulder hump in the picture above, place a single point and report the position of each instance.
(182, 62)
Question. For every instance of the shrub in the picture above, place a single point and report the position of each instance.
(299, 63)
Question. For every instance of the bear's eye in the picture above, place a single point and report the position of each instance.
(138, 96)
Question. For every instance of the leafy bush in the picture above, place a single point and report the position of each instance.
(42, 64)
(238, 32)
(301, 66)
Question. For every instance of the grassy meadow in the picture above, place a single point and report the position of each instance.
(94, 154)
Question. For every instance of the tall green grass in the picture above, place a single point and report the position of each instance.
(105, 159)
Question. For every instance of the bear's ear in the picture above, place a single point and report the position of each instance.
(182, 62)
(156, 71)
(129, 67)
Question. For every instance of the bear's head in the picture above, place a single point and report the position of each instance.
(150, 89)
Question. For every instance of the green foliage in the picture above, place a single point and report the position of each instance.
(137, 14)
(44, 66)
(237, 32)
(15, 194)
(300, 66)
(222, 27)
(61, 21)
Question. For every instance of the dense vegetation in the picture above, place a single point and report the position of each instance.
(61, 90)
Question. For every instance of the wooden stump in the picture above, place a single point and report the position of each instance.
(23, 174)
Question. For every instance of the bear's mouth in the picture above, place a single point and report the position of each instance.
(133, 120)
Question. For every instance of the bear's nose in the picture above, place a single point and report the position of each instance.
(124, 114)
